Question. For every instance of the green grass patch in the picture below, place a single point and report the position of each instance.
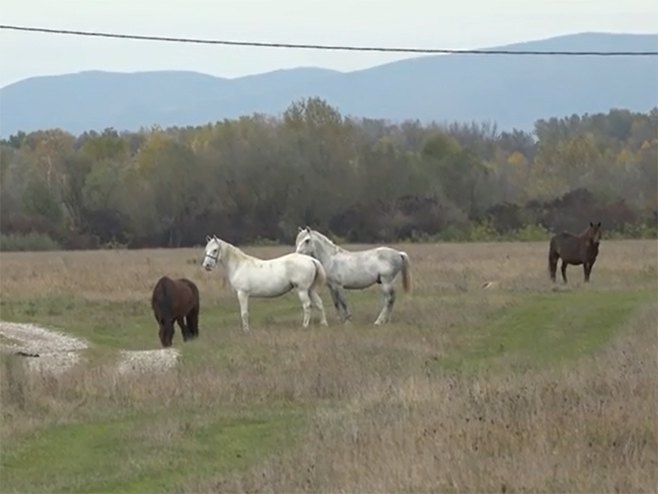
(546, 328)
(130, 325)
(144, 453)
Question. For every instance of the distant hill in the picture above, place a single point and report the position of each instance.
(513, 91)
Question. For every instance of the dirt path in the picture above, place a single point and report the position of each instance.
(56, 352)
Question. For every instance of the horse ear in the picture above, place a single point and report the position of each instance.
(299, 229)
(207, 238)
(591, 224)
(308, 229)
(599, 224)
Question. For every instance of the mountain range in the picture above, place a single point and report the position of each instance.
(512, 91)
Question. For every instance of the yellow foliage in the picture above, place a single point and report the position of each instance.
(156, 143)
(517, 158)
(625, 157)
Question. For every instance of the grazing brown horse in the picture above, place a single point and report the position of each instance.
(176, 300)
(575, 249)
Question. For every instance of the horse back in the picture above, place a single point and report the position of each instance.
(571, 248)
(174, 298)
(562, 240)
(564, 237)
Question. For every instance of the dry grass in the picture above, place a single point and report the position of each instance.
(437, 268)
(381, 409)
(589, 428)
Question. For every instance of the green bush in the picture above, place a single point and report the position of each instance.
(482, 232)
(265, 242)
(32, 241)
(530, 233)
(640, 231)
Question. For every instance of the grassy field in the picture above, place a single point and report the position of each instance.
(523, 386)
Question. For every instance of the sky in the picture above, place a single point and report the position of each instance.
(458, 24)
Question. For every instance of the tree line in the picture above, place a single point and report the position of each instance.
(258, 178)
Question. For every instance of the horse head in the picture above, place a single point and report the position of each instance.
(594, 233)
(212, 252)
(304, 241)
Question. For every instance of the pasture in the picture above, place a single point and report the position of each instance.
(522, 386)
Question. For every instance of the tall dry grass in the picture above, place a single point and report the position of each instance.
(589, 428)
(390, 426)
(437, 269)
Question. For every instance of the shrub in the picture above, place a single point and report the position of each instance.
(530, 233)
(29, 242)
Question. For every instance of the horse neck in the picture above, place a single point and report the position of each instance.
(586, 234)
(325, 247)
(231, 256)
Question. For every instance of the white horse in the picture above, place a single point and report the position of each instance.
(356, 270)
(250, 276)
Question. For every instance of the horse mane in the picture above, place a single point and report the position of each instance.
(234, 251)
(590, 230)
(587, 232)
(328, 241)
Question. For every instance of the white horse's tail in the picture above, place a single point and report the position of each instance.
(406, 272)
(320, 275)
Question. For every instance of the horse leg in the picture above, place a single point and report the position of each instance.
(166, 332)
(563, 268)
(336, 301)
(306, 306)
(343, 302)
(587, 269)
(183, 327)
(317, 301)
(338, 298)
(389, 299)
(162, 333)
(193, 322)
(243, 299)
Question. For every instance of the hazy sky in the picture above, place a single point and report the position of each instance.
(408, 23)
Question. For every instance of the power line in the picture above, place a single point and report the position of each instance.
(305, 46)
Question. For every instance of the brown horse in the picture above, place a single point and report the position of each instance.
(176, 300)
(575, 249)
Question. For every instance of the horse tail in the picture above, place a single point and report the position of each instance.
(320, 275)
(406, 272)
(161, 300)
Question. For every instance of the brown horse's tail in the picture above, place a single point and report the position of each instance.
(162, 310)
(161, 300)
(320, 275)
(553, 256)
(406, 272)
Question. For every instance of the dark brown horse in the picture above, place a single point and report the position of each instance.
(575, 249)
(176, 300)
